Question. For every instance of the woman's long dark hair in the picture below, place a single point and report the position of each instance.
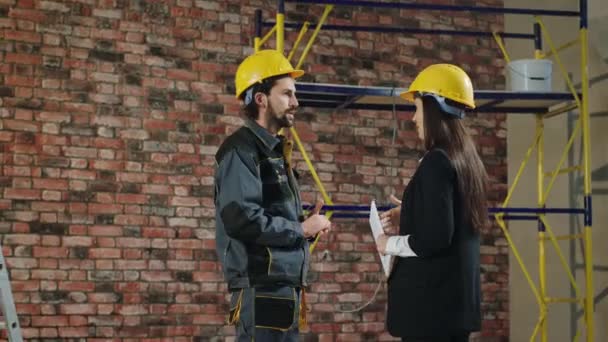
(445, 131)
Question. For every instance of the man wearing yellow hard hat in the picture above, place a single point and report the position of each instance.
(434, 285)
(262, 235)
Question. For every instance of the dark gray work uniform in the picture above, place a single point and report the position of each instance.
(259, 237)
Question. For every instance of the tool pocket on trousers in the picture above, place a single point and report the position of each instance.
(274, 312)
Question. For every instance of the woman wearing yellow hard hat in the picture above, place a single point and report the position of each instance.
(434, 285)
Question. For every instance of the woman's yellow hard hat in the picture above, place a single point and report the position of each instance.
(446, 80)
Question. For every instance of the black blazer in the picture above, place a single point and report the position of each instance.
(436, 293)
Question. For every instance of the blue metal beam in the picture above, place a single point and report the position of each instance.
(349, 90)
(362, 106)
(395, 29)
(506, 217)
(516, 217)
(258, 23)
(538, 37)
(588, 211)
(538, 210)
(433, 7)
(493, 210)
(346, 207)
(311, 103)
(490, 104)
(584, 14)
(348, 102)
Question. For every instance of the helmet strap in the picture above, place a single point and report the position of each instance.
(452, 110)
(248, 96)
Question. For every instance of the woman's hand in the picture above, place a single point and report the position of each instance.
(390, 219)
(381, 243)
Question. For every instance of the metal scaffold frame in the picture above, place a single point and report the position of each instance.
(542, 105)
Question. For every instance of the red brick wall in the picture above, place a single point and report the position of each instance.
(110, 114)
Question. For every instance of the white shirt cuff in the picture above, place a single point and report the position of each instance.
(398, 245)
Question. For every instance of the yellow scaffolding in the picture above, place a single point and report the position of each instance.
(545, 233)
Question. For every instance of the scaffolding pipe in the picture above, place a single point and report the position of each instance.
(399, 29)
(433, 7)
(281, 26)
(589, 303)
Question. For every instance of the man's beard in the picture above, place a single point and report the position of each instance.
(283, 121)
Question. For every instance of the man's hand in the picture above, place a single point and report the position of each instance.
(316, 223)
(390, 219)
(381, 243)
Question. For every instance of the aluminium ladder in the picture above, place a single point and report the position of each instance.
(10, 321)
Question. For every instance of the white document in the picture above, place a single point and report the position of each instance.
(376, 226)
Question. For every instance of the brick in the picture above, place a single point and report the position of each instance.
(134, 134)
(95, 208)
(46, 139)
(50, 252)
(156, 189)
(151, 125)
(50, 321)
(74, 332)
(181, 75)
(131, 198)
(184, 201)
(105, 99)
(138, 49)
(105, 231)
(80, 152)
(107, 165)
(104, 253)
(21, 126)
(78, 107)
(131, 220)
(22, 36)
(48, 206)
(50, 184)
(21, 58)
(6, 136)
(54, 6)
(26, 194)
(50, 94)
(105, 77)
(19, 171)
(78, 174)
(183, 222)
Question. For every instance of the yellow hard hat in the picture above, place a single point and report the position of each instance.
(446, 80)
(260, 66)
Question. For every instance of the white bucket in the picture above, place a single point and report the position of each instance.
(530, 75)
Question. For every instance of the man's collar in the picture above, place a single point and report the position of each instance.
(263, 134)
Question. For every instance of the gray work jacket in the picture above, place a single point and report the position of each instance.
(259, 237)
